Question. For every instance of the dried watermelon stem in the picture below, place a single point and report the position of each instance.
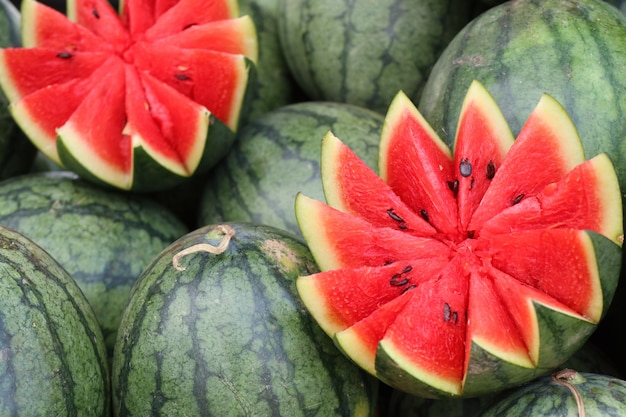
(563, 378)
(224, 231)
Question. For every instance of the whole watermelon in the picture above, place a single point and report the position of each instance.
(53, 360)
(574, 50)
(565, 393)
(277, 156)
(364, 52)
(102, 237)
(214, 327)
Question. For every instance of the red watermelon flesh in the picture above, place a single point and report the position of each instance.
(200, 52)
(501, 289)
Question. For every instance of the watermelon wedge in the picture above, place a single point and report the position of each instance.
(139, 100)
(466, 272)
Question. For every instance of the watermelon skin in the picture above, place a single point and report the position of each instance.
(54, 361)
(363, 53)
(549, 396)
(579, 61)
(277, 156)
(227, 336)
(103, 238)
(275, 86)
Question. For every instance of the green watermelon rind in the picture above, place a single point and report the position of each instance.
(184, 349)
(488, 374)
(601, 395)
(54, 360)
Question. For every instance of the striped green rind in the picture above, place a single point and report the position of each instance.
(363, 53)
(277, 156)
(228, 336)
(53, 360)
(102, 237)
(601, 395)
(574, 50)
(275, 87)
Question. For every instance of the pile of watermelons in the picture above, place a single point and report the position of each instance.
(312, 208)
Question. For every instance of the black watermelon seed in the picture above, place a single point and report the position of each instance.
(424, 214)
(465, 167)
(409, 268)
(64, 55)
(95, 13)
(470, 234)
(491, 170)
(398, 281)
(454, 186)
(181, 77)
(446, 312)
(408, 289)
(518, 199)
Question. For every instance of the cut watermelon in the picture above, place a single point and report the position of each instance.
(463, 273)
(141, 100)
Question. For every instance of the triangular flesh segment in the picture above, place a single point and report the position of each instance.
(339, 240)
(341, 297)
(42, 111)
(582, 200)
(520, 301)
(353, 187)
(99, 17)
(169, 126)
(480, 122)
(19, 77)
(94, 131)
(232, 36)
(187, 13)
(417, 165)
(558, 262)
(43, 26)
(360, 341)
(491, 325)
(427, 339)
(222, 95)
(549, 141)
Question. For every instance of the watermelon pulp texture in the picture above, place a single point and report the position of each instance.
(138, 100)
(463, 273)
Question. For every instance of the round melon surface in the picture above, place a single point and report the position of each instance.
(277, 156)
(214, 327)
(53, 358)
(102, 237)
(565, 393)
(364, 52)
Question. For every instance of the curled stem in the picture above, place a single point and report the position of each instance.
(563, 378)
(224, 230)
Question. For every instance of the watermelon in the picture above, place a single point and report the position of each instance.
(16, 151)
(54, 361)
(363, 53)
(214, 327)
(574, 50)
(103, 238)
(461, 273)
(275, 86)
(565, 393)
(277, 156)
(141, 100)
